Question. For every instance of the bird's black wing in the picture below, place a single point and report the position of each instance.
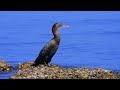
(49, 50)
(46, 53)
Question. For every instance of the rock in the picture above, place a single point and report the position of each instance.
(26, 71)
(25, 65)
(5, 67)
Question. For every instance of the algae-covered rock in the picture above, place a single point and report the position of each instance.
(26, 71)
(5, 67)
(24, 65)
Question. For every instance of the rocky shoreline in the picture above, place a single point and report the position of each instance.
(27, 71)
(5, 67)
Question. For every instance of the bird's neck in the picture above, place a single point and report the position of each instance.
(56, 34)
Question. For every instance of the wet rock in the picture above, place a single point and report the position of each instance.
(26, 71)
(5, 67)
(24, 65)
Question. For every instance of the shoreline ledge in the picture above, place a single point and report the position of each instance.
(4, 66)
(26, 71)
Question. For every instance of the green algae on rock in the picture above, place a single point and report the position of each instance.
(5, 67)
(27, 71)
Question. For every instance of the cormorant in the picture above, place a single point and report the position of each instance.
(50, 48)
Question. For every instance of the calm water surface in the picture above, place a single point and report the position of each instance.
(92, 40)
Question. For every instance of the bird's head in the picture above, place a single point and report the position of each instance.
(58, 25)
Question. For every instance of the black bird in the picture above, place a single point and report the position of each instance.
(50, 48)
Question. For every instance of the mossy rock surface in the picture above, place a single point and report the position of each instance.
(27, 71)
(5, 67)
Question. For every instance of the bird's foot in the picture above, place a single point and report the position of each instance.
(45, 64)
(48, 65)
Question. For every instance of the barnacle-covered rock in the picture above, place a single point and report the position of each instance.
(5, 67)
(57, 72)
(24, 65)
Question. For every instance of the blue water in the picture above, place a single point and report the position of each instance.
(92, 40)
